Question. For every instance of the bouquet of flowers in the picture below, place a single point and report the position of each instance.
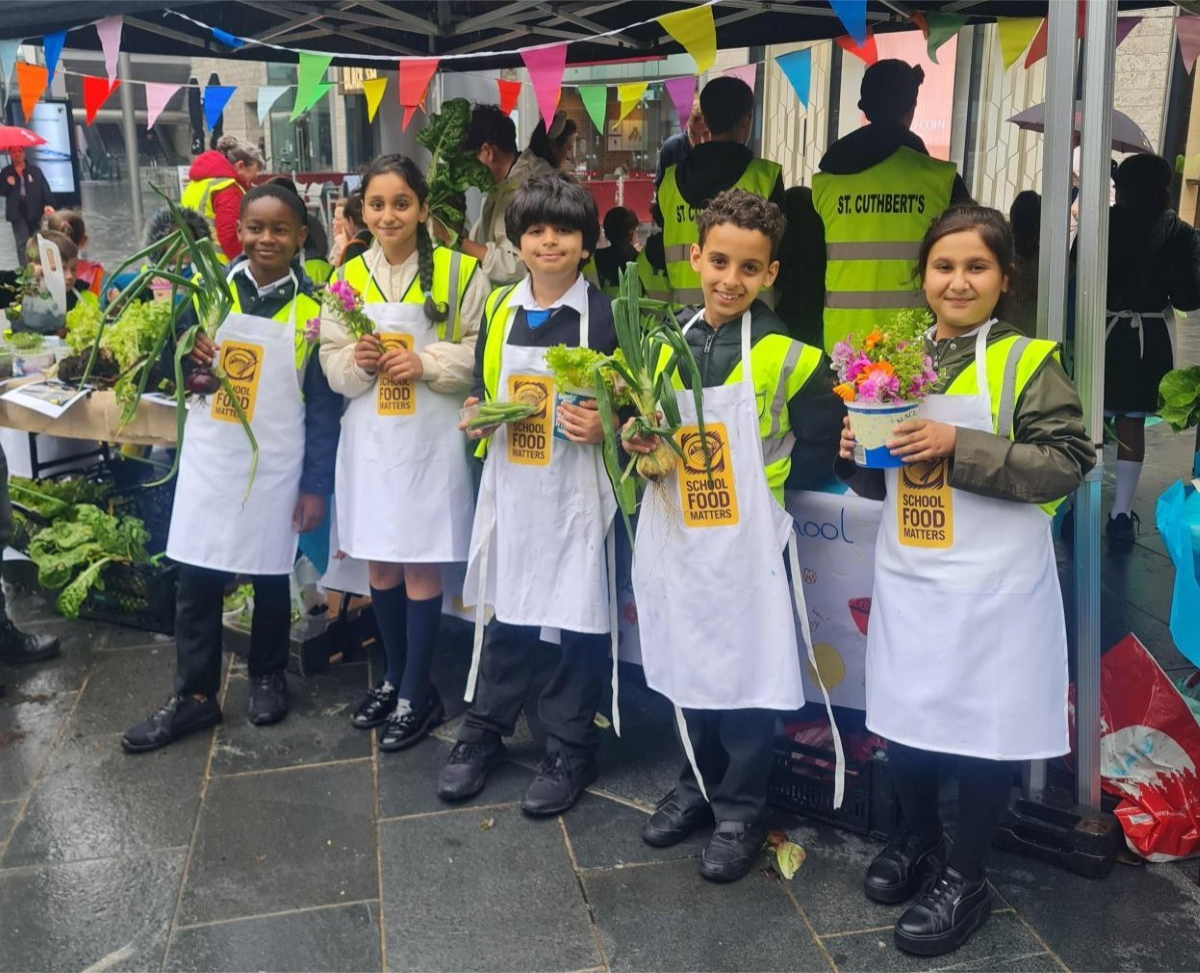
(888, 365)
(346, 304)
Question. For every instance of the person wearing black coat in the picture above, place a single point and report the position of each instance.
(27, 198)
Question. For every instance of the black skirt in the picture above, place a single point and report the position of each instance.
(1134, 366)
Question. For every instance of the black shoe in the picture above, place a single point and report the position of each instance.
(466, 769)
(179, 716)
(901, 869)
(1122, 531)
(268, 698)
(673, 820)
(407, 726)
(17, 647)
(377, 707)
(944, 916)
(732, 850)
(559, 782)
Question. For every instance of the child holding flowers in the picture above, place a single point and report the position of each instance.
(966, 650)
(398, 340)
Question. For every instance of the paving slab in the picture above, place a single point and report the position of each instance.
(641, 766)
(1119, 618)
(604, 833)
(123, 688)
(95, 801)
(288, 839)
(345, 938)
(317, 728)
(65, 673)
(28, 727)
(8, 818)
(446, 881)
(109, 914)
(666, 917)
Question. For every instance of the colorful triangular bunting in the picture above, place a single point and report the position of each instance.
(629, 95)
(545, 66)
(96, 92)
(696, 31)
(31, 82)
(311, 85)
(415, 74)
(853, 14)
(157, 95)
(595, 103)
(216, 97)
(509, 92)
(1015, 34)
(797, 68)
(683, 96)
(373, 88)
(52, 45)
(109, 29)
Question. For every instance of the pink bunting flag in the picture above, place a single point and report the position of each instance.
(1187, 29)
(545, 66)
(683, 95)
(746, 72)
(157, 96)
(109, 30)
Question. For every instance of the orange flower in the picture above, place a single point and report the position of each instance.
(845, 392)
(873, 339)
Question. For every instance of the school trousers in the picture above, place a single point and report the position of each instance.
(733, 751)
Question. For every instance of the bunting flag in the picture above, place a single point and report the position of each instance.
(311, 85)
(683, 96)
(415, 73)
(1015, 34)
(109, 30)
(629, 95)
(745, 72)
(1037, 50)
(1124, 26)
(1187, 29)
(696, 31)
(31, 82)
(595, 103)
(216, 97)
(545, 66)
(52, 45)
(226, 38)
(509, 92)
(373, 88)
(853, 14)
(157, 95)
(868, 53)
(267, 96)
(939, 28)
(797, 68)
(96, 92)
(8, 58)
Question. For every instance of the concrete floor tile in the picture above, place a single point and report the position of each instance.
(1001, 943)
(112, 914)
(96, 801)
(605, 833)
(641, 766)
(8, 818)
(123, 688)
(289, 839)
(28, 726)
(65, 673)
(314, 941)
(446, 880)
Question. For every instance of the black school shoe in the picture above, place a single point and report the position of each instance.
(268, 698)
(466, 769)
(900, 870)
(18, 648)
(179, 716)
(673, 820)
(407, 726)
(732, 850)
(379, 704)
(559, 782)
(944, 916)
(1122, 531)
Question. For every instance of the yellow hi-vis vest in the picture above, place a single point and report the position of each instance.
(680, 230)
(874, 223)
(306, 310)
(1011, 362)
(781, 367)
(318, 269)
(452, 273)
(655, 283)
(495, 310)
(198, 194)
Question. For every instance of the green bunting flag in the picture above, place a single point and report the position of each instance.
(595, 100)
(310, 81)
(941, 28)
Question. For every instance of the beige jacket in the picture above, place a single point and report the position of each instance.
(448, 366)
(502, 263)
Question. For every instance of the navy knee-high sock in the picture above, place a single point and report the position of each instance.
(391, 616)
(424, 619)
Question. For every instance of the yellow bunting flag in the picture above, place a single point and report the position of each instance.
(629, 95)
(373, 88)
(696, 31)
(1015, 35)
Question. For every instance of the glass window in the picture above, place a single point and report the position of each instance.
(305, 145)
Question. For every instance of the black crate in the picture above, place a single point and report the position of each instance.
(25, 524)
(869, 804)
(138, 595)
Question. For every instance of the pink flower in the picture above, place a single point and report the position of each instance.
(842, 353)
(345, 293)
(856, 367)
(880, 387)
(312, 329)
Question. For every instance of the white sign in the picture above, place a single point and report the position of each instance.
(52, 121)
(53, 278)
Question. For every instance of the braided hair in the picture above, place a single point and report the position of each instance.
(406, 169)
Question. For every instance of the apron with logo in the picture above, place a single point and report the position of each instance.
(403, 482)
(542, 544)
(967, 647)
(214, 524)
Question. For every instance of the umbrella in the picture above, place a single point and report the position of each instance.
(1126, 136)
(15, 137)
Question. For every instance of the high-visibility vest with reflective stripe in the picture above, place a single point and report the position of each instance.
(495, 309)
(452, 272)
(874, 222)
(198, 194)
(680, 230)
(1011, 363)
(655, 283)
(318, 269)
(306, 310)
(781, 366)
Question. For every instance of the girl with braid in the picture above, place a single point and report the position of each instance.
(404, 500)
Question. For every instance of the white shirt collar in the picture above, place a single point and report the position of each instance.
(575, 298)
(270, 288)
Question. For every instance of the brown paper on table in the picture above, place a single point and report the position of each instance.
(96, 418)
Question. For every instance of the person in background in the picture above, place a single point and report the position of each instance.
(556, 146)
(357, 237)
(1153, 267)
(339, 234)
(620, 229)
(652, 262)
(39, 314)
(316, 267)
(1025, 218)
(219, 179)
(27, 198)
(160, 225)
(676, 148)
(800, 286)
(89, 275)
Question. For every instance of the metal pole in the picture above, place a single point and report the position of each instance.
(129, 130)
(1091, 287)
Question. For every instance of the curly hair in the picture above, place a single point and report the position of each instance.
(745, 211)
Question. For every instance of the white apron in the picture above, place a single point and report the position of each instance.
(403, 478)
(967, 646)
(704, 646)
(542, 544)
(213, 523)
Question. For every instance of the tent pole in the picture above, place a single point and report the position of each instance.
(129, 130)
(1091, 285)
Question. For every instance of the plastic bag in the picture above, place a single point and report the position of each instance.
(1178, 517)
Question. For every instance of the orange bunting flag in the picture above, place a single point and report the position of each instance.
(31, 82)
(867, 53)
